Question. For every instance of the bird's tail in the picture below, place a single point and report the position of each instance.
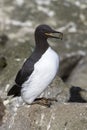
(15, 91)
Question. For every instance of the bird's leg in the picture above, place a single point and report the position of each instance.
(44, 101)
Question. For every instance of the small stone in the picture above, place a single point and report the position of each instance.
(3, 39)
(3, 62)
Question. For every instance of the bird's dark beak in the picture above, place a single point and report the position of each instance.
(55, 34)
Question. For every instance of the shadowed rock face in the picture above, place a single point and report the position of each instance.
(67, 65)
(79, 75)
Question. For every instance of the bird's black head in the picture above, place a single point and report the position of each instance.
(76, 89)
(44, 32)
(75, 94)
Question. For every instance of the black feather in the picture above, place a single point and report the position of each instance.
(15, 91)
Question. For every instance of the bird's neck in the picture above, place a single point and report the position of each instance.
(41, 43)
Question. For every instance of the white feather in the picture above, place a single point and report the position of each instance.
(44, 72)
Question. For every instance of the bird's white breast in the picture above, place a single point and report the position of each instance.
(44, 72)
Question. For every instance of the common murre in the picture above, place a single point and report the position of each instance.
(39, 69)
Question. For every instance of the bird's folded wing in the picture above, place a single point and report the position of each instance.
(24, 73)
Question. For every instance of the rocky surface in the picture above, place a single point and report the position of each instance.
(2, 111)
(79, 75)
(59, 116)
(18, 19)
(14, 106)
(67, 64)
(3, 39)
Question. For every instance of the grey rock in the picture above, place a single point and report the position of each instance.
(67, 64)
(58, 89)
(2, 111)
(13, 119)
(78, 76)
(3, 39)
(59, 116)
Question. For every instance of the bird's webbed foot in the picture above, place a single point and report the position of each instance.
(44, 101)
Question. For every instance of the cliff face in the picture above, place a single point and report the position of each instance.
(18, 19)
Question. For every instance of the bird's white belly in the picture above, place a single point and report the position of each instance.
(44, 72)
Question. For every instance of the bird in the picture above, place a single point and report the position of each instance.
(75, 95)
(39, 70)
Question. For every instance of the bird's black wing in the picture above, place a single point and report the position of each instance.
(28, 66)
(22, 75)
(25, 72)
